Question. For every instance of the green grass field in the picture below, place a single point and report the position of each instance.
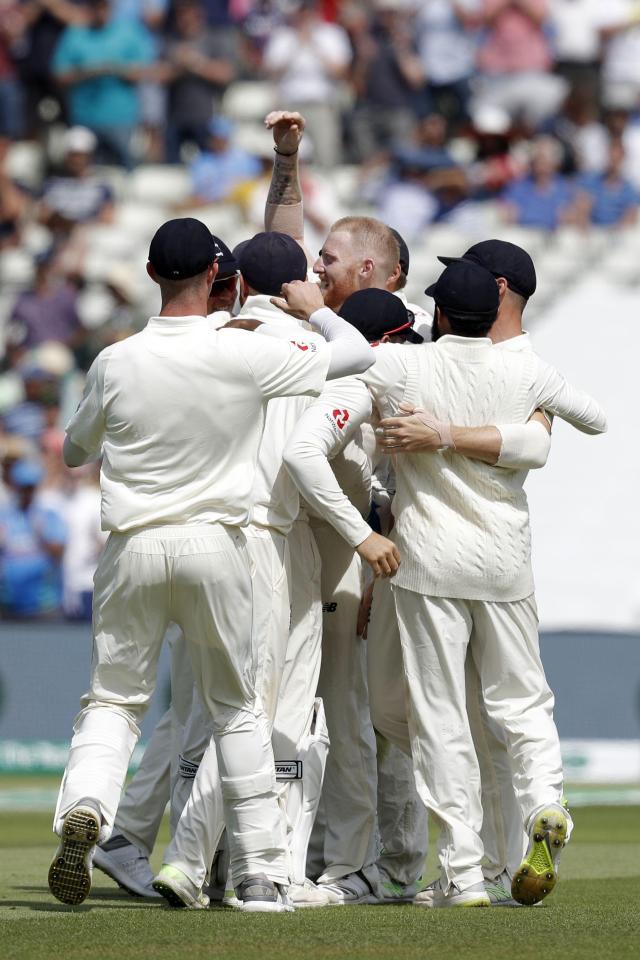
(594, 912)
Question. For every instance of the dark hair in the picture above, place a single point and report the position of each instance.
(468, 324)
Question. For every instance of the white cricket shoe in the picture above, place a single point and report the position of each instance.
(70, 870)
(350, 890)
(258, 894)
(307, 895)
(178, 890)
(125, 863)
(499, 891)
(391, 891)
(434, 896)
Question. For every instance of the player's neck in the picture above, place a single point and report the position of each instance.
(185, 306)
(508, 324)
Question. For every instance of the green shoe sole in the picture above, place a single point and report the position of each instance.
(70, 870)
(537, 875)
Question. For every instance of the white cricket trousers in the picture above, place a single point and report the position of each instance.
(201, 822)
(435, 633)
(199, 577)
(402, 815)
(404, 833)
(344, 834)
(143, 803)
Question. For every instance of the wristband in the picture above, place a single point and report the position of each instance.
(280, 154)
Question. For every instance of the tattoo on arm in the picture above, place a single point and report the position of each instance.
(285, 185)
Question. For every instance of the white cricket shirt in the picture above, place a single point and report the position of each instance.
(178, 410)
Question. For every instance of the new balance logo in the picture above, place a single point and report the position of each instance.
(329, 607)
(288, 770)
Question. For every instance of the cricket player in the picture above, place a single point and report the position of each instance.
(267, 262)
(177, 412)
(503, 837)
(162, 773)
(469, 581)
(359, 253)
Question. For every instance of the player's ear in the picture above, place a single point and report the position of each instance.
(367, 267)
(151, 272)
(503, 286)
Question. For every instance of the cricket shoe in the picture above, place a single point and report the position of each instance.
(350, 890)
(178, 890)
(499, 891)
(434, 896)
(70, 870)
(307, 895)
(125, 863)
(537, 875)
(258, 894)
(391, 891)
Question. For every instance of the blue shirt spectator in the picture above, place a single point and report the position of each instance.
(218, 170)
(32, 541)
(612, 200)
(100, 64)
(545, 198)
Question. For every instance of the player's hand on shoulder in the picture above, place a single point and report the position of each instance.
(381, 554)
(300, 299)
(288, 128)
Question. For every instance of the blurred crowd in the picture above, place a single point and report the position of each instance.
(429, 111)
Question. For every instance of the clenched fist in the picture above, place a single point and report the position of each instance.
(288, 128)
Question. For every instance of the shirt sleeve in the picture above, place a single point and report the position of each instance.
(322, 432)
(387, 378)
(87, 426)
(66, 56)
(286, 368)
(555, 395)
(525, 446)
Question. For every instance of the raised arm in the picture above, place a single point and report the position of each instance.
(284, 210)
(323, 430)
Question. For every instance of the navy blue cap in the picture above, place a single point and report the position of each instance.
(503, 259)
(182, 248)
(270, 259)
(227, 262)
(378, 313)
(404, 252)
(466, 289)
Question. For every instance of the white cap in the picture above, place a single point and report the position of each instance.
(79, 140)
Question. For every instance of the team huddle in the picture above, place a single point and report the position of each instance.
(323, 514)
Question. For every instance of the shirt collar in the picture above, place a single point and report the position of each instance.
(172, 324)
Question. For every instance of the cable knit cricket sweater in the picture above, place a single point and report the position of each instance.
(462, 526)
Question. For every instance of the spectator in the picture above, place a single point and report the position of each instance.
(609, 198)
(307, 58)
(387, 74)
(13, 202)
(620, 31)
(427, 188)
(447, 45)
(545, 198)
(77, 195)
(515, 58)
(100, 64)
(221, 167)
(48, 310)
(11, 99)
(580, 130)
(44, 23)
(201, 63)
(575, 26)
(32, 542)
(496, 161)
